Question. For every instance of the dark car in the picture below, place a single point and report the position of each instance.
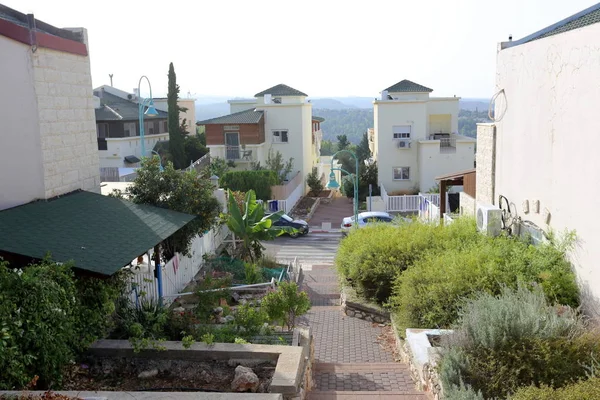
(300, 225)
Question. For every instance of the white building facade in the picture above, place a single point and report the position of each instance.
(414, 138)
(539, 154)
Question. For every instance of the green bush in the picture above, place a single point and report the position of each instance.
(373, 256)
(584, 390)
(243, 181)
(313, 180)
(504, 342)
(249, 320)
(286, 304)
(44, 314)
(430, 293)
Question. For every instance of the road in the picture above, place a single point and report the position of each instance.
(314, 248)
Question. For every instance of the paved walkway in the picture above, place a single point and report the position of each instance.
(335, 211)
(349, 361)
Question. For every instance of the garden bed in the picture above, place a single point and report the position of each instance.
(355, 306)
(304, 208)
(142, 374)
(322, 194)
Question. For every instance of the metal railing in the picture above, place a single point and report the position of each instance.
(447, 145)
(238, 153)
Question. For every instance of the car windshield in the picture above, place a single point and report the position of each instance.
(287, 218)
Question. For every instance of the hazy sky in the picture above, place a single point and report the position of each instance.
(322, 47)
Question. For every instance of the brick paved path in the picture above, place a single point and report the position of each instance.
(335, 211)
(349, 362)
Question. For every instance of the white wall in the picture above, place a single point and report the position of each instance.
(241, 105)
(547, 139)
(189, 114)
(432, 163)
(119, 148)
(21, 172)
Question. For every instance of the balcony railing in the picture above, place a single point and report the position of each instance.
(447, 145)
(237, 153)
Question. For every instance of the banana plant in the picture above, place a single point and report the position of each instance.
(251, 226)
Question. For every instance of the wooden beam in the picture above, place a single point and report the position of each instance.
(443, 188)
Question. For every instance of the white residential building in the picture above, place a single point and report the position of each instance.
(538, 158)
(189, 115)
(277, 119)
(414, 138)
(47, 127)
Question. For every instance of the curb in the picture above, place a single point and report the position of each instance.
(323, 231)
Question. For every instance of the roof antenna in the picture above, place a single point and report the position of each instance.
(510, 37)
(110, 75)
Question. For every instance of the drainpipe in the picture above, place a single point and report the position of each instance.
(158, 271)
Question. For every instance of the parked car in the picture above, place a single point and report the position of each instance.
(364, 219)
(300, 225)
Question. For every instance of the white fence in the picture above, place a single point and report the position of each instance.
(428, 211)
(177, 273)
(407, 203)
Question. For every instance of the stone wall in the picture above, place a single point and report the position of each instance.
(63, 85)
(362, 311)
(486, 163)
(467, 204)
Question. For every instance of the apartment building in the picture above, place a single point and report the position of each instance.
(414, 138)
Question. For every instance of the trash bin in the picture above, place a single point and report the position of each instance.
(273, 205)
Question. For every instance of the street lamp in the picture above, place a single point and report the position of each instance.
(160, 166)
(334, 185)
(151, 111)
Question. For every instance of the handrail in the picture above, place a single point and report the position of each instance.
(232, 288)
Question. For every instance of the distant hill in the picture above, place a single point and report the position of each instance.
(475, 104)
(330, 104)
(352, 122)
(212, 110)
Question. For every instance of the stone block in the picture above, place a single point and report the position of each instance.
(52, 76)
(48, 115)
(62, 103)
(41, 88)
(69, 139)
(66, 116)
(76, 103)
(71, 177)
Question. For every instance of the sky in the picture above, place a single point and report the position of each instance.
(325, 48)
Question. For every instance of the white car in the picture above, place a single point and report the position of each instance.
(363, 219)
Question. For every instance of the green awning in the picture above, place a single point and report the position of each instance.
(100, 234)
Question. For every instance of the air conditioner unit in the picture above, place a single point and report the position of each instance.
(489, 219)
(403, 144)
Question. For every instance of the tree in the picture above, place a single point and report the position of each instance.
(327, 148)
(313, 180)
(218, 166)
(343, 142)
(286, 304)
(175, 190)
(250, 225)
(194, 149)
(363, 152)
(275, 163)
(176, 136)
(368, 175)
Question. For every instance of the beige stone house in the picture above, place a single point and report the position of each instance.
(47, 127)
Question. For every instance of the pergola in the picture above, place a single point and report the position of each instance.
(467, 179)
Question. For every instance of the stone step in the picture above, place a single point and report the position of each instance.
(368, 395)
(359, 367)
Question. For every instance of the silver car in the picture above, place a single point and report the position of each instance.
(365, 218)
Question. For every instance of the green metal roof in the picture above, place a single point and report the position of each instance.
(281, 90)
(100, 234)
(408, 87)
(243, 117)
(589, 16)
(320, 119)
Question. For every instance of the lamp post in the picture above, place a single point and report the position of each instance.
(162, 169)
(151, 111)
(333, 184)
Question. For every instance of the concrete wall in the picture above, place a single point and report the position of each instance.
(119, 148)
(241, 105)
(21, 171)
(486, 162)
(63, 84)
(546, 135)
(189, 115)
(467, 204)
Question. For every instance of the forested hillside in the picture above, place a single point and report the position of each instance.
(352, 122)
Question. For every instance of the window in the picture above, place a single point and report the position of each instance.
(165, 126)
(280, 136)
(401, 173)
(401, 131)
(102, 130)
(277, 100)
(129, 128)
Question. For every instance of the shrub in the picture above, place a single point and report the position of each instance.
(244, 181)
(253, 274)
(285, 304)
(515, 339)
(44, 315)
(249, 320)
(430, 293)
(584, 390)
(208, 297)
(313, 180)
(373, 256)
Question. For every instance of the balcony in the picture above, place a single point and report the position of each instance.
(447, 145)
(240, 154)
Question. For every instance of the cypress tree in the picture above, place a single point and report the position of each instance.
(176, 139)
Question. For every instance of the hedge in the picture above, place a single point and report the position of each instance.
(429, 294)
(584, 390)
(243, 181)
